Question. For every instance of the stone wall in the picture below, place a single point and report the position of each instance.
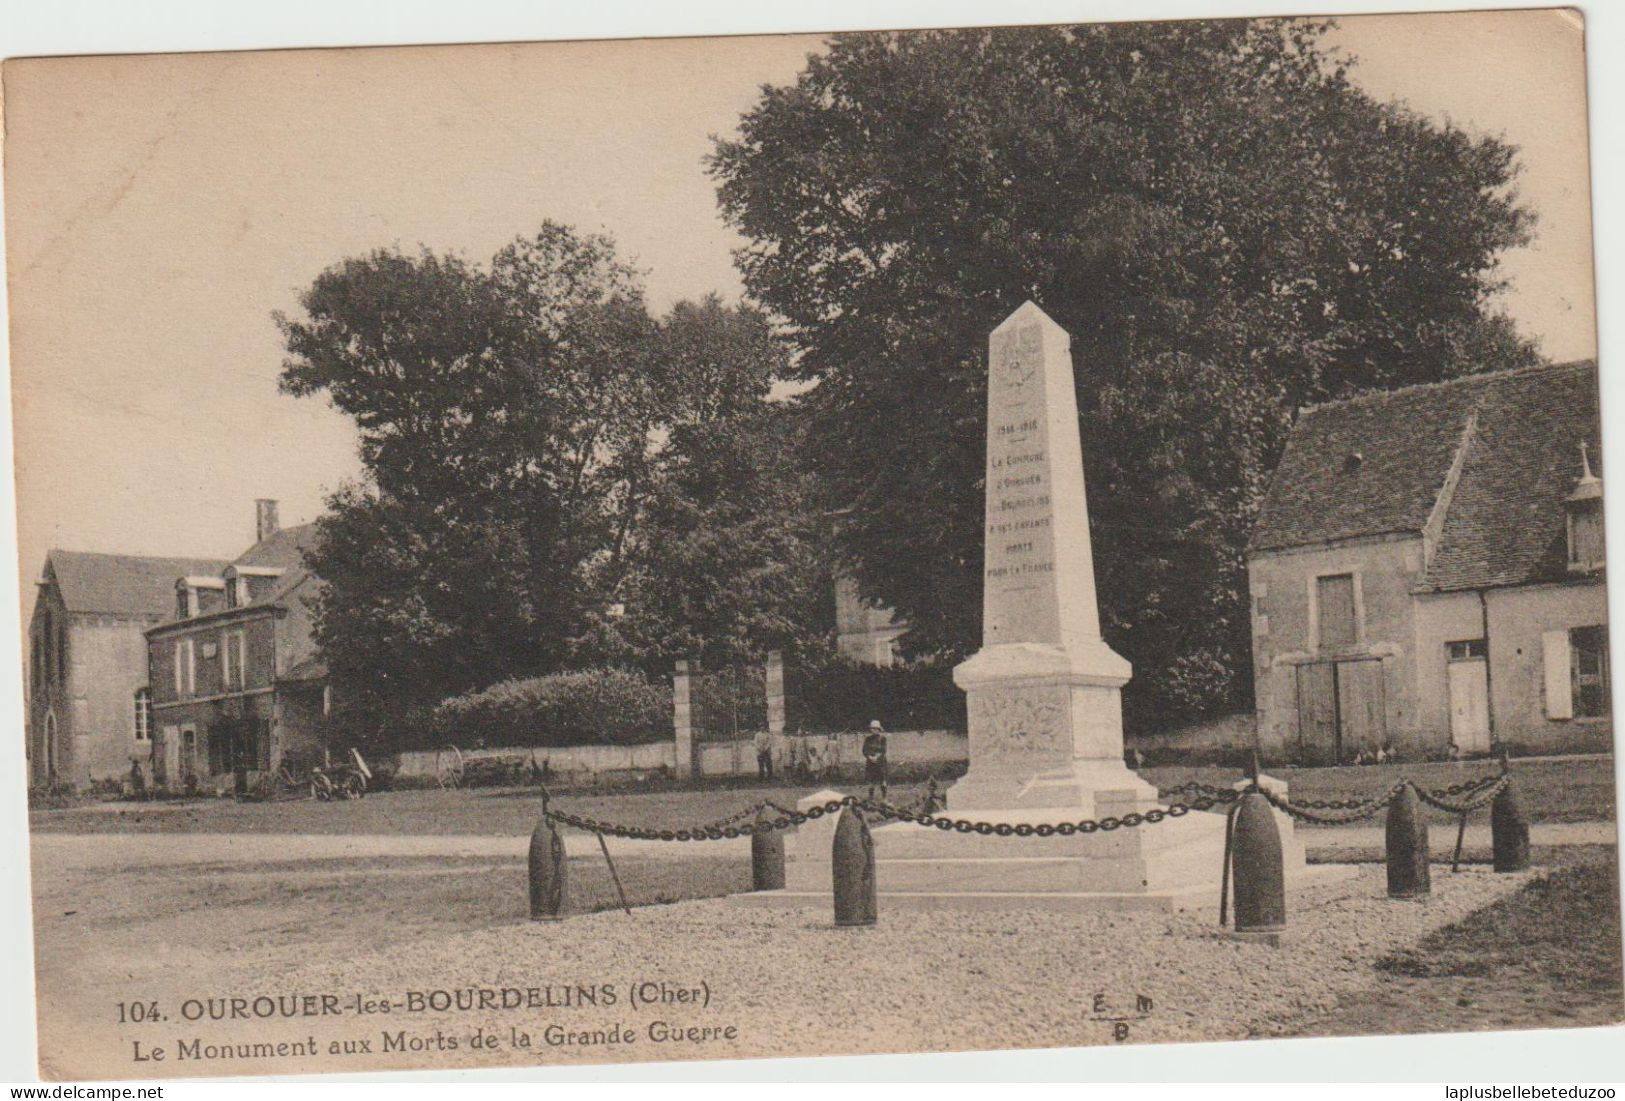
(598, 759)
(732, 758)
(107, 662)
(904, 747)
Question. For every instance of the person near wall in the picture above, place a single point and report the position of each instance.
(780, 754)
(764, 754)
(874, 758)
(831, 756)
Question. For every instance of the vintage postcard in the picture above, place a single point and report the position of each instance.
(674, 549)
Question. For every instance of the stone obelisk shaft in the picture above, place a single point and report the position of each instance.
(1039, 575)
(1043, 692)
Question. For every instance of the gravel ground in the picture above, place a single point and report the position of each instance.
(789, 983)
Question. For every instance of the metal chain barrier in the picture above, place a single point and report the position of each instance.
(725, 827)
(1351, 810)
(1203, 797)
(1484, 797)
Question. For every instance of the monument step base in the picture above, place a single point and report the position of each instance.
(1169, 901)
(1194, 896)
(1049, 875)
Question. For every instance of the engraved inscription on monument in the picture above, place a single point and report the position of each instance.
(1038, 582)
(1020, 540)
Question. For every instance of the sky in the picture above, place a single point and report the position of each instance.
(159, 209)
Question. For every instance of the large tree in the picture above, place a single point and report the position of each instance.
(731, 553)
(1226, 225)
(515, 421)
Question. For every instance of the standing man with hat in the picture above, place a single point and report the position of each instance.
(874, 758)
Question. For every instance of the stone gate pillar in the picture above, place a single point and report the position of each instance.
(682, 720)
(775, 692)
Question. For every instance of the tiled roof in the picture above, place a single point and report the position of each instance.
(123, 584)
(1376, 465)
(1506, 523)
(1404, 440)
(282, 550)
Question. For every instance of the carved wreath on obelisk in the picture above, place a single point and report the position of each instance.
(1019, 354)
(1020, 722)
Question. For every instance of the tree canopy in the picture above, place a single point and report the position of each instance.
(528, 432)
(1227, 226)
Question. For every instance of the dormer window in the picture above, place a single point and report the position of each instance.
(195, 596)
(246, 584)
(1584, 509)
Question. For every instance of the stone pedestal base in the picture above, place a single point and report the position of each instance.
(1046, 732)
(1079, 789)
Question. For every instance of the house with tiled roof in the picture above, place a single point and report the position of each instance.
(88, 715)
(238, 688)
(1427, 573)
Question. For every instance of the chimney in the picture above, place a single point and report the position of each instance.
(265, 524)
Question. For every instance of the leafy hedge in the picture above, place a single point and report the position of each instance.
(844, 695)
(594, 707)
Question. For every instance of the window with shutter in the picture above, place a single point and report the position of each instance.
(1588, 657)
(1335, 599)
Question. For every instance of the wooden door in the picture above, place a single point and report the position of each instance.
(1317, 713)
(1469, 705)
(188, 769)
(1360, 708)
(244, 749)
(166, 758)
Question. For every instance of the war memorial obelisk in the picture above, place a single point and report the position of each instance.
(1043, 693)
(1043, 697)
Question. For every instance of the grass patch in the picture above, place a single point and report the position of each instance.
(1561, 930)
(1572, 790)
(1546, 957)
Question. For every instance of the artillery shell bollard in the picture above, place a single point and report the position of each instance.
(766, 854)
(852, 863)
(547, 879)
(1257, 869)
(1407, 836)
(1509, 832)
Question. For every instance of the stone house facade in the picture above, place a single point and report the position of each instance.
(865, 633)
(238, 689)
(88, 713)
(1427, 573)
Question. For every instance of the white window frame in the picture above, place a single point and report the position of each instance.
(180, 678)
(190, 648)
(143, 714)
(233, 655)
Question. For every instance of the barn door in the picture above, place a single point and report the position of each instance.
(1362, 728)
(1317, 713)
